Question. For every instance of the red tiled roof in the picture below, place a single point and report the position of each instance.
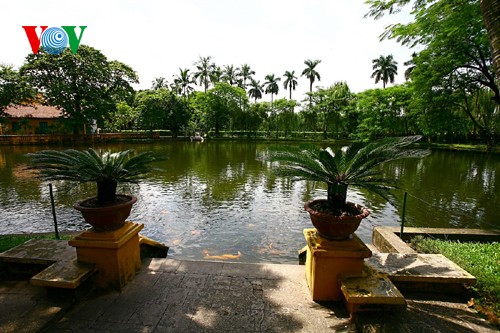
(37, 111)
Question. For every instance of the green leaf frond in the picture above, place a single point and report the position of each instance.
(356, 165)
(91, 166)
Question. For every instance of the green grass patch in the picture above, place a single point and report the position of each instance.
(458, 147)
(10, 241)
(479, 259)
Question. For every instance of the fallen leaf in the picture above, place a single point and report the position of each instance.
(471, 303)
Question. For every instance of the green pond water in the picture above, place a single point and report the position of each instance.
(215, 198)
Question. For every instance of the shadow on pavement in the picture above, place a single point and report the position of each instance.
(197, 296)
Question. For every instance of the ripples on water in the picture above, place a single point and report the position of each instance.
(217, 198)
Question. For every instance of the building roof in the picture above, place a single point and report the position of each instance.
(36, 111)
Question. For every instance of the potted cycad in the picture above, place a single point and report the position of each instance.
(108, 210)
(357, 165)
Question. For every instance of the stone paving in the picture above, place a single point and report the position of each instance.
(189, 296)
(168, 295)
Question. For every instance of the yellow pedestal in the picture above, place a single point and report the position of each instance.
(116, 253)
(327, 260)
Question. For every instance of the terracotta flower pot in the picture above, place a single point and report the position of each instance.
(334, 227)
(108, 217)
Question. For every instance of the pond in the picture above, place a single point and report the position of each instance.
(215, 198)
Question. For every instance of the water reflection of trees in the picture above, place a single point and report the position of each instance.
(16, 182)
(457, 189)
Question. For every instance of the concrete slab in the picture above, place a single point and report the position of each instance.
(428, 268)
(194, 296)
(25, 308)
(39, 251)
(371, 288)
(64, 274)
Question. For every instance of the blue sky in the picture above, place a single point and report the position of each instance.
(155, 38)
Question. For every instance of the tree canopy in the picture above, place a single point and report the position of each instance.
(84, 85)
(454, 64)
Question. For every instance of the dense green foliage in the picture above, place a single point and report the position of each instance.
(86, 86)
(479, 259)
(453, 77)
(161, 109)
(452, 93)
(13, 88)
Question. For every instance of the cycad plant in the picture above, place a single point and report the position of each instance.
(107, 169)
(354, 166)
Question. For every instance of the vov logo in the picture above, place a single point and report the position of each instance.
(54, 40)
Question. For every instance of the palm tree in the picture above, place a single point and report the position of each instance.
(385, 68)
(183, 82)
(245, 74)
(230, 74)
(290, 81)
(204, 67)
(255, 90)
(311, 73)
(272, 86)
(158, 83)
(216, 75)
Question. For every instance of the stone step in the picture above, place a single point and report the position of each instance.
(39, 251)
(53, 263)
(62, 268)
(64, 274)
(369, 292)
(423, 272)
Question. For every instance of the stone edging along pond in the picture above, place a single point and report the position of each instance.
(387, 239)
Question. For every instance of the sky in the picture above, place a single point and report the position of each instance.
(156, 38)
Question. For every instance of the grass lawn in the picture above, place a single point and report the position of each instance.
(481, 260)
(10, 241)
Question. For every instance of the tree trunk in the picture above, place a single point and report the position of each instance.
(337, 194)
(106, 192)
(491, 17)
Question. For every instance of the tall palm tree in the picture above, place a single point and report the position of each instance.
(230, 74)
(272, 86)
(290, 81)
(158, 83)
(385, 68)
(256, 90)
(204, 67)
(246, 74)
(216, 75)
(311, 73)
(183, 82)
